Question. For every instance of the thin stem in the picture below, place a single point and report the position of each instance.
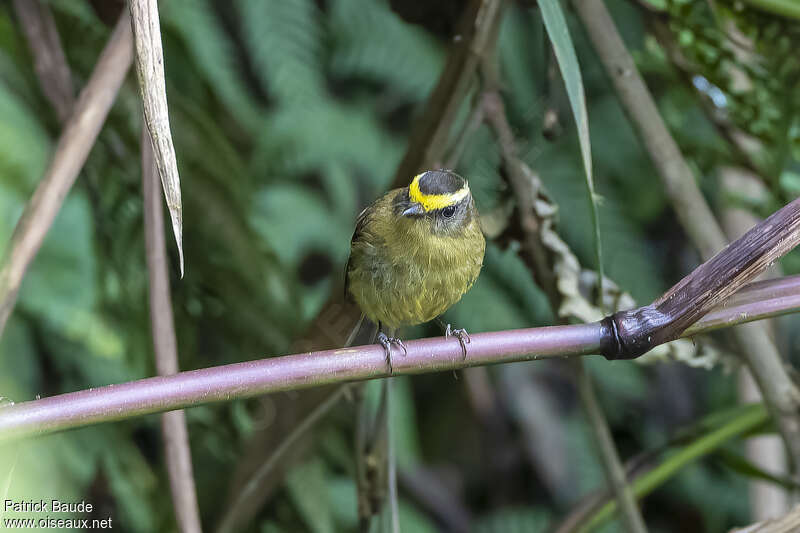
(178, 455)
(394, 510)
(74, 144)
(49, 60)
(615, 472)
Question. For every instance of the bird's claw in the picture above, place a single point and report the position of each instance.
(462, 336)
(387, 342)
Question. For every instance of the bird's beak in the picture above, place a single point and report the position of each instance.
(414, 210)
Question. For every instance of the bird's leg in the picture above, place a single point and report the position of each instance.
(386, 341)
(460, 333)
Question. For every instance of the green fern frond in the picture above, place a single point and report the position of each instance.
(372, 42)
(213, 53)
(284, 40)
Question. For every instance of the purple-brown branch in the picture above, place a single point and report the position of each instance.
(290, 372)
(243, 380)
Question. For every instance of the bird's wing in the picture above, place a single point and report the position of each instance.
(361, 221)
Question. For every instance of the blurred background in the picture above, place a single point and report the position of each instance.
(288, 118)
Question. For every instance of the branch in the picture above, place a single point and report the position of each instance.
(74, 144)
(152, 85)
(291, 372)
(173, 425)
(777, 388)
(49, 60)
(310, 369)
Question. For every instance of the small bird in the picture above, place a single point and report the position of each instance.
(414, 253)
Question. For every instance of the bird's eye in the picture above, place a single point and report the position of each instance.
(449, 211)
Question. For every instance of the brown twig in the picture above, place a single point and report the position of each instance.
(780, 393)
(707, 286)
(475, 34)
(73, 147)
(534, 253)
(173, 425)
(153, 89)
(49, 60)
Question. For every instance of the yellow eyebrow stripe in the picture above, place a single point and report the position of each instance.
(431, 202)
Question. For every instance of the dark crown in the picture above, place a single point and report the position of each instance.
(440, 182)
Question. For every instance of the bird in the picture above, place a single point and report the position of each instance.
(414, 253)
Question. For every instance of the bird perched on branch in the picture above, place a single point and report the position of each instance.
(414, 253)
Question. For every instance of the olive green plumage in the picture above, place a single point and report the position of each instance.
(415, 251)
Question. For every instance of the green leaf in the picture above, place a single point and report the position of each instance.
(557, 31)
(514, 520)
(744, 466)
(403, 419)
(307, 486)
(753, 417)
(284, 40)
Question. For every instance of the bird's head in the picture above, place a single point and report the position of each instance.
(442, 196)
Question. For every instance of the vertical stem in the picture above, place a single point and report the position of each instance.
(767, 500)
(394, 510)
(173, 424)
(615, 472)
(49, 60)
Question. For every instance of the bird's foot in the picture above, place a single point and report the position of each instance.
(387, 342)
(462, 336)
